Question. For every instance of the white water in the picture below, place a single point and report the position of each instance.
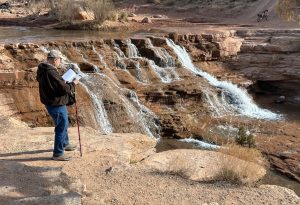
(118, 50)
(200, 144)
(164, 76)
(101, 114)
(147, 116)
(140, 115)
(167, 73)
(217, 105)
(101, 58)
(236, 98)
(168, 61)
(132, 50)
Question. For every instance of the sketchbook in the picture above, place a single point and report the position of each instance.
(70, 76)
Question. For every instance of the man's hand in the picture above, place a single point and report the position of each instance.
(76, 81)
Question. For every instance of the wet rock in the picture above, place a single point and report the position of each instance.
(280, 99)
(146, 20)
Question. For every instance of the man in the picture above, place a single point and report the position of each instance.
(54, 93)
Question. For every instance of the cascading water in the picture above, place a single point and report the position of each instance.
(217, 105)
(101, 114)
(167, 73)
(100, 57)
(236, 98)
(132, 50)
(148, 116)
(139, 114)
(167, 60)
(118, 50)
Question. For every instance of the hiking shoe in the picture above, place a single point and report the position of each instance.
(70, 147)
(61, 158)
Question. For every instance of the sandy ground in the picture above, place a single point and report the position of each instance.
(28, 176)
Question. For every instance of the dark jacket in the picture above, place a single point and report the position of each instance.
(53, 89)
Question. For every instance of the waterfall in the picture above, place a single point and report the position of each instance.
(118, 50)
(101, 114)
(161, 72)
(139, 114)
(148, 117)
(100, 57)
(236, 98)
(217, 105)
(132, 50)
(168, 61)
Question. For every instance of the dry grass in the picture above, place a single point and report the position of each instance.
(247, 171)
(179, 166)
(243, 153)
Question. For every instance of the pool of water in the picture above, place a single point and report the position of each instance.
(25, 34)
(288, 110)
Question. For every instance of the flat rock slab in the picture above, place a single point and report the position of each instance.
(202, 165)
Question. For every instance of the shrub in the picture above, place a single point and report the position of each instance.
(64, 11)
(123, 15)
(102, 9)
(245, 139)
(35, 7)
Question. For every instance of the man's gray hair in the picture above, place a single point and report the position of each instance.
(54, 54)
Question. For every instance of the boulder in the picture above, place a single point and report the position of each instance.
(146, 20)
(82, 15)
(280, 99)
(201, 165)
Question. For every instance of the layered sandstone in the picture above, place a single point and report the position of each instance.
(123, 83)
(270, 58)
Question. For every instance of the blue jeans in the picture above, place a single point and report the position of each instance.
(59, 115)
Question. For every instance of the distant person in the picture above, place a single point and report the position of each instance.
(263, 16)
(54, 94)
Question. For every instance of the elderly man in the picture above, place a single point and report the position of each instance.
(54, 93)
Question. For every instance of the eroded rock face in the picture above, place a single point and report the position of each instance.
(108, 65)
(270, 58)
(147, 92)
(206, 47)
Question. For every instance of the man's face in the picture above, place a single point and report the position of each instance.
(57, 62)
